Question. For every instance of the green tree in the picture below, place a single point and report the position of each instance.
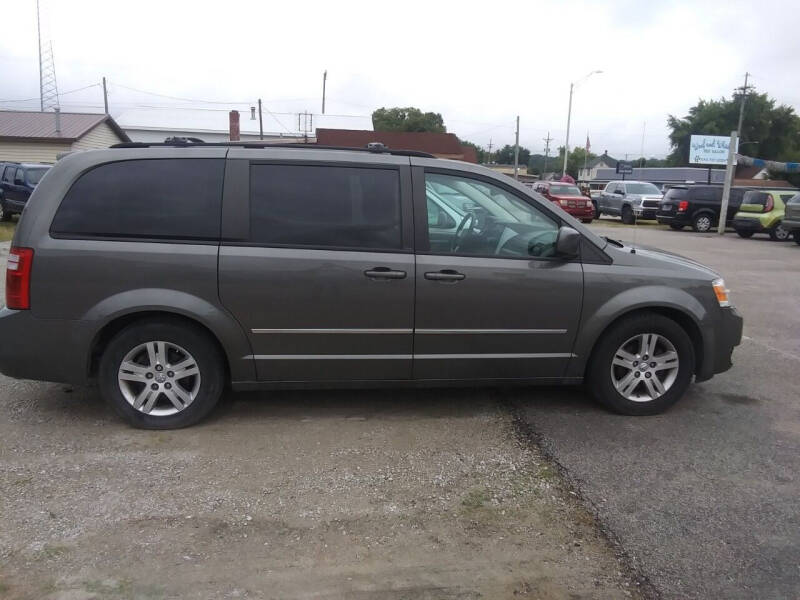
(505, 155)
(407, 119)
(577, 158)
(772, 132)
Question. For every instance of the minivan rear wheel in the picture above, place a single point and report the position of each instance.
(161, 374)
(642, 365)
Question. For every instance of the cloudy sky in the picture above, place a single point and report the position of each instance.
(478, 63)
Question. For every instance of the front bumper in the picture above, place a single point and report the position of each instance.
(719, 344)
(645, 212)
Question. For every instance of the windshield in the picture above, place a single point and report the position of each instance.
(641, 188)
(35, 175)
(565, 190)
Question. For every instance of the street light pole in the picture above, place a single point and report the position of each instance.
(569, 117)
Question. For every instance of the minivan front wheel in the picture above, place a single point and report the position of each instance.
(642, 365)
(161, 375)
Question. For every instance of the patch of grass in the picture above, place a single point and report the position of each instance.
(7, 230)
(4, 588)
(108, 586)
(475, 499)
(547, 473)
(52, 551)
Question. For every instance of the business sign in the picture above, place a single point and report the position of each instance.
(710, 149)
(624, 168)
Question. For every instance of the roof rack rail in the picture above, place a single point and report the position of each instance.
(372, 147)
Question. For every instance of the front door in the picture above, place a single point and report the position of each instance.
(324, 283)
(494, 302)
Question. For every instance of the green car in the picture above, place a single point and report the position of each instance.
(762, 211)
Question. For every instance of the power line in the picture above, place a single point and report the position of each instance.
(86, 87)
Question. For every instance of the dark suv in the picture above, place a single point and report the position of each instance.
(17, 182)
(697, 206)
(167, 273)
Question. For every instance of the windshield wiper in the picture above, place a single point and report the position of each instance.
(613, 242)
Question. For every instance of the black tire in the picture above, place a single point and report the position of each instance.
(597, 212)
(4, 214)
(779, 233)
(675, 227)
(196, 342)
(702, 223)
(587, 221)
(599, 372)
(744, 233)
(627, 215)
(796, 236)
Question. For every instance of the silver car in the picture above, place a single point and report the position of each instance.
(630, 200)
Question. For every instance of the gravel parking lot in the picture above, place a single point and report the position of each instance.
(426, 494)
(705, 498)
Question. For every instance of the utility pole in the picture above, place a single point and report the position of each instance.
(566, 143)
(547, 141)
(726, 189)
(641, 155)
(105, 95)
(324, 82)
(744, 90)
(516, 152)
(489, 161)
(260, 122)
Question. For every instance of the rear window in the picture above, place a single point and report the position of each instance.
(160, 199)
(754, 197)
(35, 174)
(676, 194)
(339, 207)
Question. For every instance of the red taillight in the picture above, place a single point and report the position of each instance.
(18, 278)
(683, 205)
(769, 204)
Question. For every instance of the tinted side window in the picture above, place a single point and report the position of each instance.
(340, 207)
(19, 175)
(167, 198)
(8, 175)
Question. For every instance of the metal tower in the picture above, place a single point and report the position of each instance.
(48, 88)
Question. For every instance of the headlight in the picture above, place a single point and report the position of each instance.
(721, 292)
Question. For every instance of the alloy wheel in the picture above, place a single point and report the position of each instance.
(644, 367)
(781, 233)
(703, 224)
(159, 378)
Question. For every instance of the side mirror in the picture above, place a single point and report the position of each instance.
(568, 242)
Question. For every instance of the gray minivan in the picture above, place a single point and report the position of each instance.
(167, 273)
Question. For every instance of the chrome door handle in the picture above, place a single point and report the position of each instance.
(445, 275)
(384, 273)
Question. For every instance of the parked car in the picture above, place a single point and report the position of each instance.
(166, 273)
(17, 182)
(569, 197)
(629, 200)
(791, 219)
(762, 211)
(697, 206)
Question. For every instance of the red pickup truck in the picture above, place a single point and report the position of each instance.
(568, 197)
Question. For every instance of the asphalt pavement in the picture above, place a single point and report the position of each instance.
(704, 499)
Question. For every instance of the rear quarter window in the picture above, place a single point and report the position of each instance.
(167, 199)
(676, 194)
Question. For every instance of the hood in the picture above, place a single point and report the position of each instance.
(658, 258)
